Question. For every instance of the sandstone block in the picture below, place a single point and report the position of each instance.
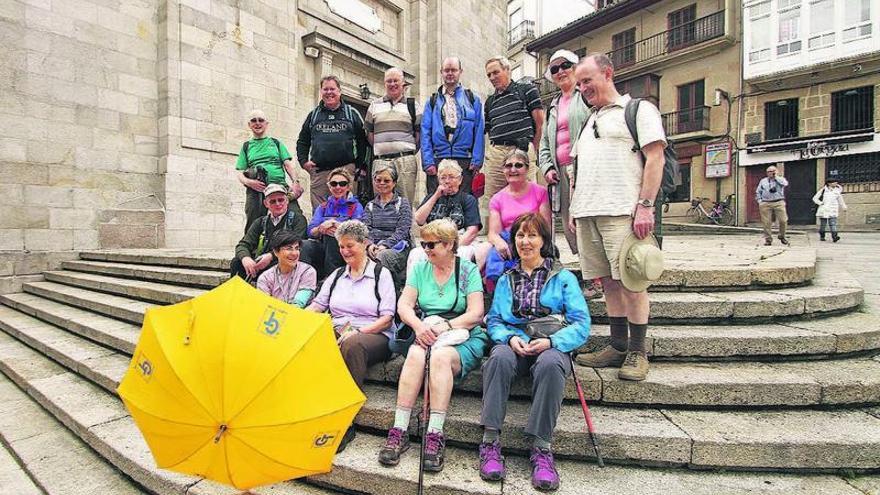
(115, 100)
(14, 150)
(45, 196)
(139, 86)
(71, 218)
(22, 217)
(86, 239)
(128, 236)
(48, 239)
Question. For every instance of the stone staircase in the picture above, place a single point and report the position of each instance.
(765, 364)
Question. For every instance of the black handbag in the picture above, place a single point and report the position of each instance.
(545, 326)
(404, 336)
(257, 172)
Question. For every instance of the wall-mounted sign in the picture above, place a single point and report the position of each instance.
(819, 149)
(357, 12)
(717, 160)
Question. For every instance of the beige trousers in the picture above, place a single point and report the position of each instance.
(768, 210)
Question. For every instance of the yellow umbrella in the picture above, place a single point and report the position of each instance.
(239, 387)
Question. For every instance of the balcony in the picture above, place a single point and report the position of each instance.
(524, 31)
(688, 121)
(668, 42)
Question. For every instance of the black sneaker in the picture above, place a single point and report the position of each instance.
(346, 439)
(835, 238)
(784, 240)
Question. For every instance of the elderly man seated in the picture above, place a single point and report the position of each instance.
(252, 254)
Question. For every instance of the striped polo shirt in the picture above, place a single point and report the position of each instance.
(392, 126)
(509, 113)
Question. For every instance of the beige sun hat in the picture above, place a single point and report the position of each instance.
(641, 262)
(563, 54)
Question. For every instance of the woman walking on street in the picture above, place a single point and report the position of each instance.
(830, 201)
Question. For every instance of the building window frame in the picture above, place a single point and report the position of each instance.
(856, 170)
(681, 27)
(860, 29)
(690, 112)
(852, 109)
(788, 28)
(759, 11)
(649, 84)
(781, 119)
(825, 38)
(623, 45)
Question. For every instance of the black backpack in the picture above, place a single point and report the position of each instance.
(671, 170)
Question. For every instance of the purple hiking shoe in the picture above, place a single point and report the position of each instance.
(491, 461)
(544, 475)
(435, 445)
(396, 444)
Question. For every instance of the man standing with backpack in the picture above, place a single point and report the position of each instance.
(617, 176)
(393, 124)
(332, 136)
(263, 160)
(452, 128)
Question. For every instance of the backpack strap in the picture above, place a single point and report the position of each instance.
(377, 272)
(263, 241)
(457, 270)
(411, 106)
(629, 115)
(244, 150)
(337, 274)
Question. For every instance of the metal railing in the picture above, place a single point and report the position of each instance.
(522, 31)
(687, 120)
(677, 38)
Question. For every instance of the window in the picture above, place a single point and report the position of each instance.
(789, 31)
(852, 109)
(781, 119)
(854, 169)
(516, 17)
(647, 86)
(857, 19)
(623, 48)
(759, 15)
(821, 24)
(682, 29)
(691, 107)
(785, 4)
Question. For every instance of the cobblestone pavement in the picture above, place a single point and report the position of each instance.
(858, 253)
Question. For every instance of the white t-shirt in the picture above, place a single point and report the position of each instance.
(609, 172)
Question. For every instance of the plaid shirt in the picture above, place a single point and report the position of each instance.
(527, 290)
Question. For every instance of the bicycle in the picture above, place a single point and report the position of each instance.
(719, 214)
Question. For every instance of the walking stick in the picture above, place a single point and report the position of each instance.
(589, 419)
(425, 412)
(555, 208)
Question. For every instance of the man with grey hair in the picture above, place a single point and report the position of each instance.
(452, 128)
(616, 180)
(514, 119)
(393, 123)
(770, 196)
(263, 160)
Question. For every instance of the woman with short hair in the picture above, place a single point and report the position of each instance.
(291, 280)
(449, 293)
(360, 299)
(389, 218)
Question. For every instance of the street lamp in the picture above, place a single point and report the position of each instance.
(365, 91)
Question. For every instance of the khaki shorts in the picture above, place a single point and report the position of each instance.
(599, 240)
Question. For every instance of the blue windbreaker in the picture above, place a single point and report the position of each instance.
(468, 139)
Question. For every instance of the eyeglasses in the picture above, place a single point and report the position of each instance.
(257, 120)
(382, 181)
(289, 247)
(516, 165)
(277, 201)
(563, 66)
(596, 129)
(430, 244)
(449, 177)
(341, 183)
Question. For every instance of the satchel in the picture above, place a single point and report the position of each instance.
(545, 326)
(404, 335)
(257, 172)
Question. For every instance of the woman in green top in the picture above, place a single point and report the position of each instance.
(448, 290)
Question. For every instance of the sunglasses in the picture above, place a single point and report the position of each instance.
(341, 183)
(563, 66)
(516, 165)
(595, 129)
(277, 201)
(383, 181)
(257, 120)
(430, 244)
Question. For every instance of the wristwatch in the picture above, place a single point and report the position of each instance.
(647, 203)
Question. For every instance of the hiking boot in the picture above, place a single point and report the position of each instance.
(346, 439)
(544, 475)
(784, 241)
(768, 242)
(835, 238)
(822, 237)
(594, 290)
(435, 444)
(604, 358)
(491, 461)
(396, 444)
(635, 367)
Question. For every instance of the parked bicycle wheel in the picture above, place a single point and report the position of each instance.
(726, 217)
(693, 214)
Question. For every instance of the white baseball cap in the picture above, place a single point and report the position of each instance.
(563, 54)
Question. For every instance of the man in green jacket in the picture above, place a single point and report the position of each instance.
(252, 254)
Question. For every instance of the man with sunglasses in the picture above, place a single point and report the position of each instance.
(263, 160)
(615, 183)
(514, 118)
(252, 253)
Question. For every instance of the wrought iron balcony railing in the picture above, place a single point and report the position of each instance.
(525, 30)
(687, 120)
(677, 38)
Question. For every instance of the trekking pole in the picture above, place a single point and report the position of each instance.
(425, 412)
(589, 420)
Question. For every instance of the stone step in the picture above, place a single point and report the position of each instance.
(731, 384)
(653, 436)
(828, 337)
(13, 478)
(739, 307)
(52, 456)
(174, 275)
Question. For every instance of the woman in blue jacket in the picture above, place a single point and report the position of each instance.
(537, 287)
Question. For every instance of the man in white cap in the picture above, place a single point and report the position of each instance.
(615, 183)
(263, 160)
(566, 116)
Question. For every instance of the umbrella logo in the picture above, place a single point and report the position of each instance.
(272, 321)
(145, 367)
(324, 439)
